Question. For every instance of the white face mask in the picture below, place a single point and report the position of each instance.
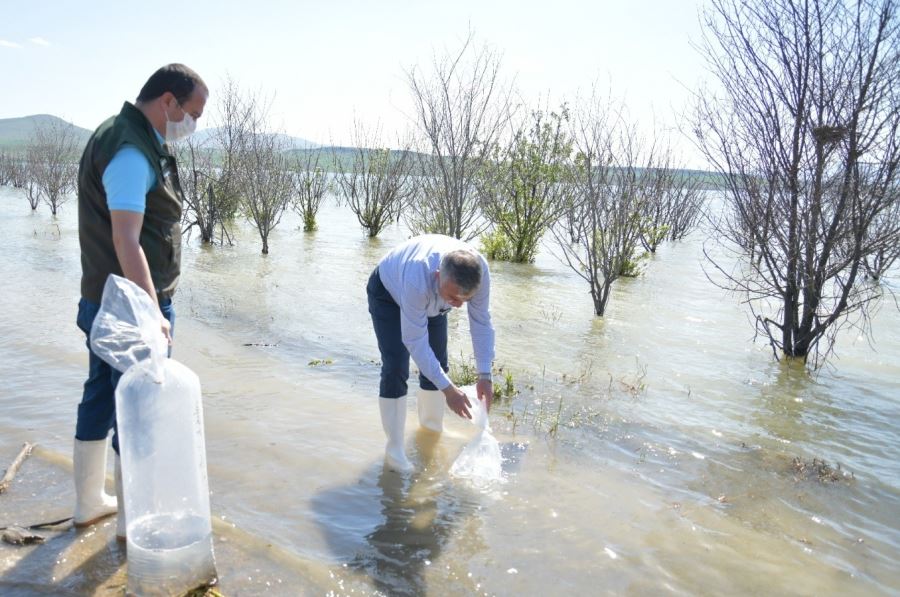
(176, 131)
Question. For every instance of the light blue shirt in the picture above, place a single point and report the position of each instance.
(407, 273)
(128, 178)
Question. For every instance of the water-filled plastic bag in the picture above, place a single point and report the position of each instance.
(159, 414)
(480, 460)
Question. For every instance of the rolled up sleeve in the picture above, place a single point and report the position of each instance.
(480, 326)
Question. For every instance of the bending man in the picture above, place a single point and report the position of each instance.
(410, 293)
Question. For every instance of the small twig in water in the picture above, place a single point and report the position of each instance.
(41, 525)
(14, 467)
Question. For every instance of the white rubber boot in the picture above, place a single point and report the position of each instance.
(91, 500)
(430, 404)
(121, 521)
(393, 420)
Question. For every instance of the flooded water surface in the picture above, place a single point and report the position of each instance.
(658, 450)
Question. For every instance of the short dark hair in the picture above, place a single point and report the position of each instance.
(175, 78)
(463, 267)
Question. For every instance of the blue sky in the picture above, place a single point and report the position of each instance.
(325, 62)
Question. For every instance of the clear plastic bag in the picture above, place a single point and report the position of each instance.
(127, 329)
(169, 528)
(480, 460)
(159, 412)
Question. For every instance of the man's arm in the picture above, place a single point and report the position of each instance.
(126, 233)
(414, 331)
(482, 332)
(127, 180)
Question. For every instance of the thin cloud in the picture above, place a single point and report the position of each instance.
(8, 44)
(39, 41)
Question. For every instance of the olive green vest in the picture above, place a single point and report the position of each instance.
(161, 232)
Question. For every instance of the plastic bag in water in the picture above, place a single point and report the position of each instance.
(480, 461)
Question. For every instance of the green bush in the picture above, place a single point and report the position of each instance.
(496, 246)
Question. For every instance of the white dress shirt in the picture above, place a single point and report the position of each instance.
(407, 273)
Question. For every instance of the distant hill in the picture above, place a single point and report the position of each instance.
(330, 157)
(292, 143)
(706, 179)
(15, 132)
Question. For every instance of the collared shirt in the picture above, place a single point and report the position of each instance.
(408, 274)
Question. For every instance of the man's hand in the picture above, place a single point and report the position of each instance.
(458, 401)
(484, 390)
(166, 329)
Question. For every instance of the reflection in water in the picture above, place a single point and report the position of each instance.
(413, 517)
(396, 529)
(413, 530)
(784, 400)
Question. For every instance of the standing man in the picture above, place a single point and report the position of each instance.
(129, 224)
(410, 293)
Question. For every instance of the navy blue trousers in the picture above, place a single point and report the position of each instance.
(97, 410)
(394, 357)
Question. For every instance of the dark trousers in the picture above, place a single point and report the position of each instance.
(394, 357)
(97, 410)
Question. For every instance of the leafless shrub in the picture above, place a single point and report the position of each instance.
(461, 108)
(378, 181)
(51, 164)
(599, 236)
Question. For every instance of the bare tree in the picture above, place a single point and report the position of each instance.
(210, 172)
(655, 213)
(12, 169)
(461, 108)
(808, 90)
(522, 188)
(52, 163)
(673, 201)
(262, 170)
(32, 189)
(207, 208)
(233, 124)
(377, 182)
(310, 186)
(5, 170)
(599, 236)
(685, 201)
(883, 240)
(17, 172)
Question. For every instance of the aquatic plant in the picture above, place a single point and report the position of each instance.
(819, 470)
(317, 362)
(463, 371)
(508, 389)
